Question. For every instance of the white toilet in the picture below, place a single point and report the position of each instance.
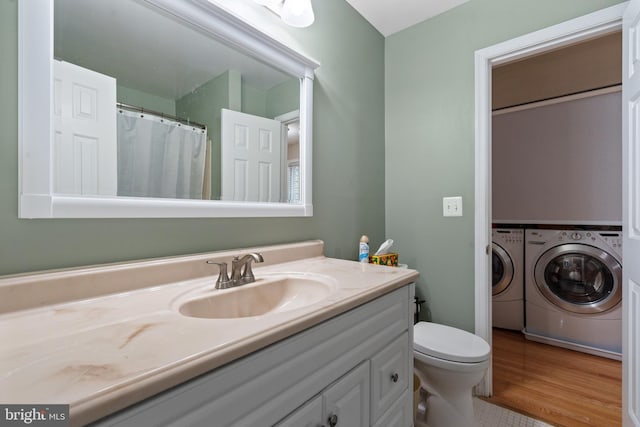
(449, 362)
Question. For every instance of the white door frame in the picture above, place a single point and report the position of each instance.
(588, 26)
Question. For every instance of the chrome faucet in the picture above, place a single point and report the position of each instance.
(239, 277)
(241, 272)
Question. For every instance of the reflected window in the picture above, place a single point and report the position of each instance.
(294, 182)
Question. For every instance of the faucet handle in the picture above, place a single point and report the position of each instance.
(223, 281)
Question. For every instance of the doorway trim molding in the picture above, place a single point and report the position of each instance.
(575, 30)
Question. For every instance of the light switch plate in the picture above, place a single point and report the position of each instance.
(452, 206)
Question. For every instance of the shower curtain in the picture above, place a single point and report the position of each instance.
(158, 157)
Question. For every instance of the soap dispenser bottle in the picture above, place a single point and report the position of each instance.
(364, 249)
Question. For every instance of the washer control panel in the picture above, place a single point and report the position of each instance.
(571, 235)
(613, 238)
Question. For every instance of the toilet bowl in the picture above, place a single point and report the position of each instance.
(449, 362)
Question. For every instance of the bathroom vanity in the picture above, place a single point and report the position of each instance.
(314, 341)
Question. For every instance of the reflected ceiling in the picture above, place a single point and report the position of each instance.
(84, 36)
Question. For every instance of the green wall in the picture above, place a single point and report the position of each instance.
(348, 161)
(283, 98)
(429, 86)
(254, 101)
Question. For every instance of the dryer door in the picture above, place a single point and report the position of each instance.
(579, 278)
(501, 269)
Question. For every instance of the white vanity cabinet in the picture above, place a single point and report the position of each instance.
(345, 403)
(354, 367)
(311, 414)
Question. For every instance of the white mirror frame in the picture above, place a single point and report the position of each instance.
(35, 120)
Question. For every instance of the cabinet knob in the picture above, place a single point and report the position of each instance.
(394, 377)
(333, 420)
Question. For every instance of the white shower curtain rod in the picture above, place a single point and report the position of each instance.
(159, 114)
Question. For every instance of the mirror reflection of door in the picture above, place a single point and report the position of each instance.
(260, 157)
(85, 131)
(251, 159)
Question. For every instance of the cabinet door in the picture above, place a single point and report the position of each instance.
(346, 402)
(389, 370)
(309, 415)
(400, 414)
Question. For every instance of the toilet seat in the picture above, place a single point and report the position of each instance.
(448, 343)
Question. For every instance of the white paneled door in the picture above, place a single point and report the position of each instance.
(85, 131)
(251, 159)
(631, 214)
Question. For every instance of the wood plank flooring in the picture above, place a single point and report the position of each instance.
(561, 387)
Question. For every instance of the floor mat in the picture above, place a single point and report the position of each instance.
(490, 415)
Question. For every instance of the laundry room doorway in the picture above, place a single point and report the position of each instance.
(590, 26)
(556, 158)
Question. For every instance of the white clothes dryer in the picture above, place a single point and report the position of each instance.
(573, 289)
(507, 271)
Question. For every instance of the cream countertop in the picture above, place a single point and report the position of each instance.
(104, 353)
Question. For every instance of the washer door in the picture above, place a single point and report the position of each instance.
(501, 269)
(579, 278)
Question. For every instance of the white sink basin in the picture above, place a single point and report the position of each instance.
(270, 295)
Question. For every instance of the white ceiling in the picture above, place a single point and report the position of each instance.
(391, 16)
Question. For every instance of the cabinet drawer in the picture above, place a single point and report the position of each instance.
(389, 375)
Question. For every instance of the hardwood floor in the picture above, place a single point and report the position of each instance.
(555, 385)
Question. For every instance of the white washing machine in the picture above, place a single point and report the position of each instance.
(573, 289)
(507, 271)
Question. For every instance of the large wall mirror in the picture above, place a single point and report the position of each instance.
(159, 108)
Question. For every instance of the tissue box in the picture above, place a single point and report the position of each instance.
(385, 259)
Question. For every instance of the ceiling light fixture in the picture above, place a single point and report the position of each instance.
(297, 13)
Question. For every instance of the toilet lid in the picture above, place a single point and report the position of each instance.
(445, 342)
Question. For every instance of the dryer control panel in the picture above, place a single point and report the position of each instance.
(510, 236)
